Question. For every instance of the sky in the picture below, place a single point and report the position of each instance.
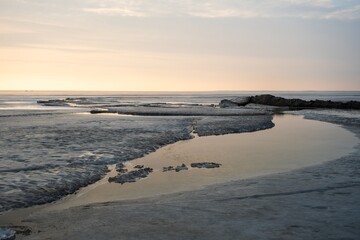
(189, 45)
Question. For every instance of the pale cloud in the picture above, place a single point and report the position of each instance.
(318, 3)
(223, 13)
(115, 11)
(317, 9)
(349, 13)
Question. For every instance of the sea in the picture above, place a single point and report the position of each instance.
(49, 151)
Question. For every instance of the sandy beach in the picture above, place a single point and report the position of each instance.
(314, 199)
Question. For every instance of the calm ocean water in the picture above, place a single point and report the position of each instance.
(50, 151)
(27, 99)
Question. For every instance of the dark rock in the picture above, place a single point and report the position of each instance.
(65, 102)
(236, 102)
(120, 166)
(180, 168)
(122, 170)
(53, 102)
(205, 165)
(241, 101)
(97, 111)
(78, 99)
(139, 166)
(170, 168)
(227, 103)
(131, 176)
(271, 100)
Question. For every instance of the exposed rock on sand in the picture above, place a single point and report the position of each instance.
(181, 168)
(122, 170)
(205, 165)
(193, 165)
(170, 168)
(120, 166)
(131, 176)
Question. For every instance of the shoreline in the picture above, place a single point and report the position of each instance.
(37, 208)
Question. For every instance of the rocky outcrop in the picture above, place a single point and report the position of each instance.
(181, 168)
(98, 111)
(120, 168)
(205, 165)
(170, 168)
(193, 165)
(227, 103)
(53, 102)
(66, 102)
(236, 102)
(131, 176)
(267, 99)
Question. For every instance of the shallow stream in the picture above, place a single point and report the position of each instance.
(293, 143)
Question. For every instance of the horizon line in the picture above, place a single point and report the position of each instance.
(174, 91)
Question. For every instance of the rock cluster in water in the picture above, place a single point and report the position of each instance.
(267, 99)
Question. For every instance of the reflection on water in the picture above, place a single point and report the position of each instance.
(293, 143)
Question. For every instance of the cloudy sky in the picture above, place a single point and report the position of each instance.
(168, 45)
